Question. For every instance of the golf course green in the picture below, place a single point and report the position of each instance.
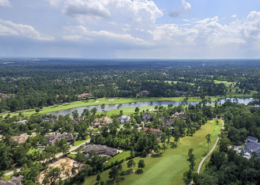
(170, 167)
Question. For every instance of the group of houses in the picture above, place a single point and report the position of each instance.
(100, 150)
(13, 181)
(251, 146)
(101, 121)
(52, 139)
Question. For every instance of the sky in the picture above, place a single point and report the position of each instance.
(149, 29)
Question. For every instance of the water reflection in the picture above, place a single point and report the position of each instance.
(143, 104)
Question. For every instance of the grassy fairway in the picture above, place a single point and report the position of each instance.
(119, 157)
(100, 101)
(77, 143)
(170, 167)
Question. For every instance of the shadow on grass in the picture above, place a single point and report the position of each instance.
(173, 145)
(204, 155)
(139, 171)
(109, 182)
(185, 178)
(129, 172)
(155, 155)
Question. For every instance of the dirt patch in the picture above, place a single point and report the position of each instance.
(66, 165)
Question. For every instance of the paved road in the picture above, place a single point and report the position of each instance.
(56, 156)
(204, 158)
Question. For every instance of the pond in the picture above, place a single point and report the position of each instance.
(142, 104)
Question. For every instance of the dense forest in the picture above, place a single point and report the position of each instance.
(27, 84)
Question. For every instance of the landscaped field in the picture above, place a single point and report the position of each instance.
(169, 169)
(118, 157)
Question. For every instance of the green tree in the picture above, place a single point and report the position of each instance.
(130, 164)
(137, 110)
(208, 140)
(98, 176)
(141, 164)
(191, 159)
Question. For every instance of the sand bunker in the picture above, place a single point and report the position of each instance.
(111, 100)
(97, 101)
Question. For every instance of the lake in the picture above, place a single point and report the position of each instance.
(142, 104)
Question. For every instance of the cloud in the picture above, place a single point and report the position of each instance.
(8, 28)
(234, 16)
(54, 2)
(119, 11)
(5, 3)
(185, 7)
(82, 33)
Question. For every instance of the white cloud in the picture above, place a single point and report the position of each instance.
(54, 2)
(81, 32)
(10, 28)
(119, 11)
(185, 7)
(5, 3)
(234, 16)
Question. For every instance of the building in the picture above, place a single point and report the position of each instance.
(100, 149)
(178, 114)
(101, 121)
(51, 120)
(85, 95)
(252, 147)
(77, 120)
(21, 122)
(143, 93)
(180, 93)
(156, 131)
(252, 139)
(20, 139)
(123, 119)
(13, 181)
(169, 122)
(1, 137)
(52, 139)
(146, 116)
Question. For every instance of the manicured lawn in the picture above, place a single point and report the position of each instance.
(99, 101)
(72, 156)
(118, 157)
(7, 177)
(77, 143)
(169, 169)
(33, 150)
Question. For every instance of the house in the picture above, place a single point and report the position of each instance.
(13, 181)
(1, 137)
(51, 120)
(178, 114)
(52, 139)
(21, 122)
(169, 122)
(101, 121)
(252, 139)
(180, 93)
(20, 139)
(85, 95)
(156, 131)
(252, 147)
(100, 149)
(146, 116)
(77, 120)
(124, 119)
(143, 93)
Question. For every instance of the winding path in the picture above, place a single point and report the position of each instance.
(204, 158)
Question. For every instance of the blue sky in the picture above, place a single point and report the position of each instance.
(170, 29)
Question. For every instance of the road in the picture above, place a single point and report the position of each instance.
(56, 156)
(204, 158)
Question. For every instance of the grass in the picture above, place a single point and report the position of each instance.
(7, 177)
(73, 156)
(91, 102)
(31, 151)
(169, 168)
(77, 143)
(118, 157)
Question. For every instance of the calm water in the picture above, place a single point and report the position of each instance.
(142, 104)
